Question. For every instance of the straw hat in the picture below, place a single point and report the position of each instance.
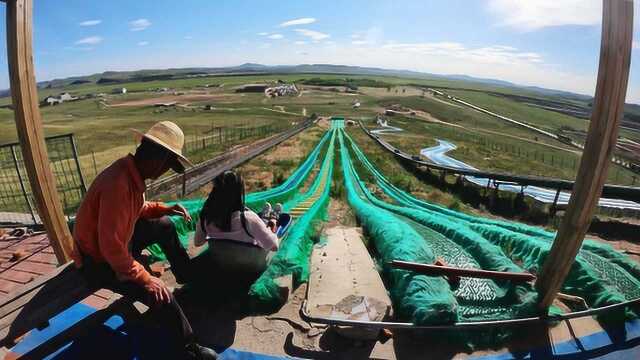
(167, 135)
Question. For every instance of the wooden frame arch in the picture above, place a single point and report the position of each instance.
(613, 74)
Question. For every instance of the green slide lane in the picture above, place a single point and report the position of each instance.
(295, 248)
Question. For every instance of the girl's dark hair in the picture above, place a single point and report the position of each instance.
(226, 197)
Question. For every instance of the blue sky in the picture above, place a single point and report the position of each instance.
(550, 43)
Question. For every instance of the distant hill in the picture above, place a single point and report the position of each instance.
(154, 74)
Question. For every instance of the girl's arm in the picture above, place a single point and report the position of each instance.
(267, 239)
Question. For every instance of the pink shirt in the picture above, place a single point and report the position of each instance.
(262, 235)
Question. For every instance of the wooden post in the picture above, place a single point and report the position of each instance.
(611, 88)
(29, 124)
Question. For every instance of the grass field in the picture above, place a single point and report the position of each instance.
(102, 126)
(490, 152)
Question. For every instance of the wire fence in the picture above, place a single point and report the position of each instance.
(17, 204)
(225, 135)
(559, 158)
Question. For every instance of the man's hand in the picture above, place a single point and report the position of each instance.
(178, 209)
(158, 291)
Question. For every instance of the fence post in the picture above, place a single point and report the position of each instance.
(22, 187)
(95, 167)
(77, 160)
(184, 184)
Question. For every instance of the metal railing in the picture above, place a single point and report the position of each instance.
(609, 191)
(199, 175)
(17, 205)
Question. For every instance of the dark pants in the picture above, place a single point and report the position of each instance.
(147, 232)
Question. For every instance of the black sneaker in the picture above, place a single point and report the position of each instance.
(198, 352)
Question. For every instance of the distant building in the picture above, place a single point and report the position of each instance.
(281, 90)
(252, 88)
(55, 100)
(119, 91)
(50, 101)
(167, 104)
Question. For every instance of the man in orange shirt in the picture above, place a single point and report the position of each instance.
(114, 224)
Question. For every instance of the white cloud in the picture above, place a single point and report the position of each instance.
(91, 40)
(90, 22)
(275, 36)
(188, 37)
(299, 42)
(537, 14)
(314, 35)
(635, 45)
(263, 33)
(371, 36)
(494, 54)
(138, 25)
(265, 46)
(143, 43)
(301, 21)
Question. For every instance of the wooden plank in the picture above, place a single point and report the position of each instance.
(29, 125)
(437, 270)
(611, 89)
(119, 305)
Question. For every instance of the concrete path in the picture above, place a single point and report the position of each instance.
(344, 281)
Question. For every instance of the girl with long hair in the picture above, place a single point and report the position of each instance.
(238, 238)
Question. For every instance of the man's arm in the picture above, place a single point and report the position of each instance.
(114, 221)
(154, 210)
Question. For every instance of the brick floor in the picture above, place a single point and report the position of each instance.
(23, 260)
(37, 259)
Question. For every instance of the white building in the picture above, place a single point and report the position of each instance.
(55, 100)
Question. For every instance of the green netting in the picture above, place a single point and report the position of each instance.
(419, 298)
(286, 190)
(600, 274)
(295, 249)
